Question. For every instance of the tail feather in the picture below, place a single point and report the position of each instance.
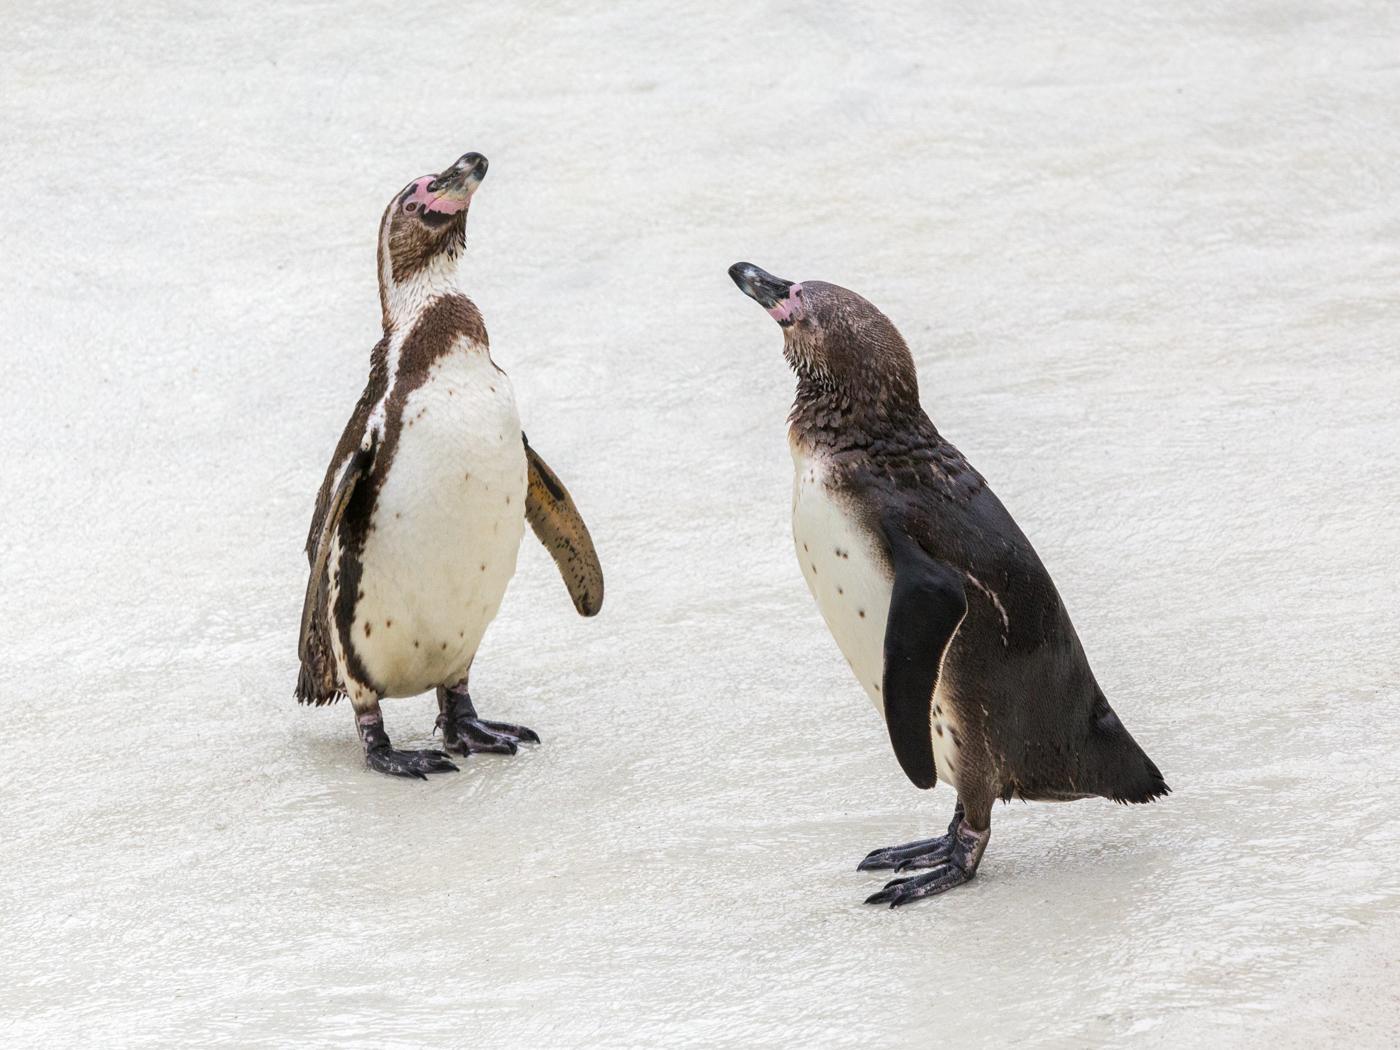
(317, 682)
(1124, 772)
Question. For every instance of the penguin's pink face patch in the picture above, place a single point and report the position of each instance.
(788, 309)
(425, 196)
(428, 217)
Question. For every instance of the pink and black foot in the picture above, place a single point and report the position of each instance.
(952, 859)
(464, 733)
(381, 756)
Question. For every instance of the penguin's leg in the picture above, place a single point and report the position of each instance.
(922, 854)
(464, 733)
(380, 756)
(955, 862)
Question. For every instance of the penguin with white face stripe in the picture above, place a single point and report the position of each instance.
(419, 518)
(935, 597)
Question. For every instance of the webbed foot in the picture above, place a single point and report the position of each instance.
(419, 764)
(952, 864)
(470, 736)
(922, 854)
(381, 756)
(464, 733)
(926, 853)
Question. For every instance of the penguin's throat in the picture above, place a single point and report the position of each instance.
(833, 416)
(409, 298)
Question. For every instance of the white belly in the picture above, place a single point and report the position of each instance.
(446, 529)
(848, 576)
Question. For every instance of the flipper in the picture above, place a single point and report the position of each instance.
(556, 521)
(926, 607)
(317, 681)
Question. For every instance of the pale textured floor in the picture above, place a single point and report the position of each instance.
(1149, 259)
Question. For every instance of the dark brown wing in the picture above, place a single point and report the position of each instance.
(350, 438)
(551, 513)
(318, 682)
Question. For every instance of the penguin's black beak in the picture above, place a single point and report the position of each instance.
(460, 181)
(776, 295)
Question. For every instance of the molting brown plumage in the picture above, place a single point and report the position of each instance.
(935, 596)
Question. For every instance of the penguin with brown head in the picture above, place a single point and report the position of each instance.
(933, 594)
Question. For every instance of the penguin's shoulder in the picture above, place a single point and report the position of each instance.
(928, 491)
(450, 322)
(925, 486)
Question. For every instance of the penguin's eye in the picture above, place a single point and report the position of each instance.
(410, 207)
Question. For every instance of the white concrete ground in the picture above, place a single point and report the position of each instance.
(1148, 256)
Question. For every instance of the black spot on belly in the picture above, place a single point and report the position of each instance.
(366, 628)
(814, 568)
(862, 613)
(938, 728)
(444, 645)
(840, 591)
(388, 624)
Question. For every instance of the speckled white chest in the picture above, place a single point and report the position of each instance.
(446, 529)
(851, 582)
